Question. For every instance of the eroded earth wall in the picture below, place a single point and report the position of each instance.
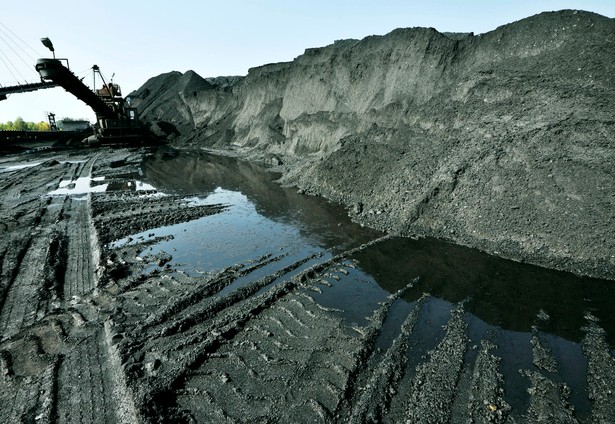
(502, 141)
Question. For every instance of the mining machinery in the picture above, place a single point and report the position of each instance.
(116, 121)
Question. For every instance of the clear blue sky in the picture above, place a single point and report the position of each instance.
(136, 40)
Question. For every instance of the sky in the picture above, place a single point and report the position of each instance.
(134, 40)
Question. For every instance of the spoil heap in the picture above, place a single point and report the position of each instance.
(501, 141)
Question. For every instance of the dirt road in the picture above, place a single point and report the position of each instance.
(97, 331)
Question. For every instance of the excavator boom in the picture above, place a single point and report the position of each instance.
(53, 70)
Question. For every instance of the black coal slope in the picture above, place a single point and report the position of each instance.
(502, 141)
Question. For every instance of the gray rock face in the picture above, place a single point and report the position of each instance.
(502, 141)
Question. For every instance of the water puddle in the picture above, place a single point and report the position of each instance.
(238, 235)
(131, 184)
(501, 292)
(82, 185)
(20, 166)
(264, 218)
(85, 185)
(257, 202)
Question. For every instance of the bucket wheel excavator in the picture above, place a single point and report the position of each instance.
(116, 121)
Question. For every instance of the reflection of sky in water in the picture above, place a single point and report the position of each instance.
(237, 235)
(141, 186)
(82, 185)
(241, 235)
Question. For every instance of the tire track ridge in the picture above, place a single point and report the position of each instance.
(549, 400)
(47, 397)
(600, 371)
(486, 402)
(220, 303)
(435, 381)
(361, 370)
(214, 284)
(121, 392)
(372, 404)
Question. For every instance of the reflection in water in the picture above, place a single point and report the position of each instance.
(321, 222)
(129, 184)
(238, 235)
(85, 185)
(501, 292)
(264, 217)
(82, 185)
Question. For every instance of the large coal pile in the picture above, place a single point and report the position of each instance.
(502, 141)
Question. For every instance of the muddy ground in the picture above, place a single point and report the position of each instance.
(97, 331)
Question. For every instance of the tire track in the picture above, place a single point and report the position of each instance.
(20, 401)
(20, 307)
(486, 402)
(84, 394)
(91, 387)
(549, 401)
(252, 343)
(79, 278)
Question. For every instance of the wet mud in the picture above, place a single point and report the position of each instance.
(166, 286)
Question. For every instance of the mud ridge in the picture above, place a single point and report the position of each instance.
(601, 372)
(486, 403)
(435, 380)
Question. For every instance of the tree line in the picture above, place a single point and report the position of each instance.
(20, 125)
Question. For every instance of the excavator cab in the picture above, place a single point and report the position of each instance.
(109, 91)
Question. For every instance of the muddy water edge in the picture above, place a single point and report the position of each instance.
(177, 286)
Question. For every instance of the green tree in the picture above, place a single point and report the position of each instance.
(41, 126)
(20, 125)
